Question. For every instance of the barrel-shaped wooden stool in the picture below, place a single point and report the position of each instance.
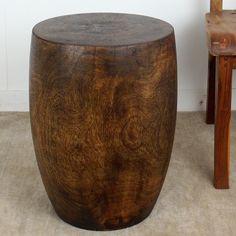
(103, 113)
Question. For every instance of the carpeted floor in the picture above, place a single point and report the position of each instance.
(188, 204)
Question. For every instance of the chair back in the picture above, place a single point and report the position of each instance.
(216, 5)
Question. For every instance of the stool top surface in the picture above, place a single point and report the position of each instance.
(102, 29)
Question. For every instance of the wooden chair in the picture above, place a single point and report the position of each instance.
(221, 34)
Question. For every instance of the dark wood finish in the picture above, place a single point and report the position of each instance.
(103, 117)
(210, 115)
(221, 37)
(223, 113)
(233, 62)
(102, 29)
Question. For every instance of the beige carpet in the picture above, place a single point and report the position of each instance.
(188, 204)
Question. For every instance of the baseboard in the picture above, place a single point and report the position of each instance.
(195, 99)
(14, 100)
(191, 99)
(188, 100)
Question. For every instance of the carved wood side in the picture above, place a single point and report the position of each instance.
(103, 122)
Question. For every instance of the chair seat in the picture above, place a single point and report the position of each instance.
(221, 32)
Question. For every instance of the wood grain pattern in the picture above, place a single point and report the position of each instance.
(221, 37)
(221, 32)
(98, 29)
(216, 5)
(222, 127)
(103, 121)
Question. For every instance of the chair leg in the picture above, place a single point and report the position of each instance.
(210, 114)
(222, 121)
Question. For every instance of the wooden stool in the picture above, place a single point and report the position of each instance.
(221, 31)
(103, 113)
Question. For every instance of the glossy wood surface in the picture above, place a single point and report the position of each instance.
(216, 5)
(221, 32)
(103, 121)
(221, 37)
(222, 127)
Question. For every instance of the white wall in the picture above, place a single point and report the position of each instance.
(17, 17)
